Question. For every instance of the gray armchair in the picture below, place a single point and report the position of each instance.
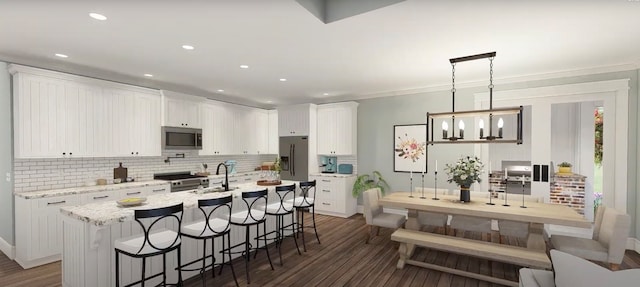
(608, 242)
(375, 216)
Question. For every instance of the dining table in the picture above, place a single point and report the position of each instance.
(534, 213)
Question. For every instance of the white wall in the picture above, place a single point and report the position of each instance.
(6, 152)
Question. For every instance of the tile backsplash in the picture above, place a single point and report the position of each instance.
(45, 174)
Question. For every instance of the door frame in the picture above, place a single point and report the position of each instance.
(615, 97)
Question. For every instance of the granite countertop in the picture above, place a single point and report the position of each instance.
(339, 175)
(108, 212)
(87, 189)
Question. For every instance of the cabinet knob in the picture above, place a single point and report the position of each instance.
(131, 152)
(70, 153)
(64, 153)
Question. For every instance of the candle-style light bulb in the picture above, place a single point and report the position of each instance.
(500, 124)
(445, 128)
(481, 125)
(461, 127)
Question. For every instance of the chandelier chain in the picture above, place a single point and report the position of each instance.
(453, 77)
(491, 73)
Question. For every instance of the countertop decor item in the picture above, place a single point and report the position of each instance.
(131, 201)
(465, 172)
(101, 181)
(564, 168)
(264, 182)
(365, 181)
(455, 118)
(120, 172)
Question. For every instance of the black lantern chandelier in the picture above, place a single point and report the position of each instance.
(491, 114)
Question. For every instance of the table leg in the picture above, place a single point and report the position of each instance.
(536, 239)
(404, 251)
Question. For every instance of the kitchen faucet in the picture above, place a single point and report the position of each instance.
(225, 184)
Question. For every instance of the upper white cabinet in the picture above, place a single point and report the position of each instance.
(261, 130)
(274, 137)
(217, 128)
(181, 110)
(58, 115)
(337, 128)
(294, 120)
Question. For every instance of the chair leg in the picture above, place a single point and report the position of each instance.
(614, 267)
(246, 251)
(179, 264)
(279, 236)
(255, 253)
(313, 216)
(117, 270)
(213, 257)
(377, 230)
(264, 229)
(144, 262)
(294, 235)
(233, 272)
(304, 242)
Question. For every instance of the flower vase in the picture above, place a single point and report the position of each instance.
(465, 195)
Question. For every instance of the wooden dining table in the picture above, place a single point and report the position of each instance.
(536, 214)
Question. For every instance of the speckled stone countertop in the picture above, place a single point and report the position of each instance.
(339, 175)
(108, 212)
(87, 189)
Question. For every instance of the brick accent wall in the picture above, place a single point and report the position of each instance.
(568, 190)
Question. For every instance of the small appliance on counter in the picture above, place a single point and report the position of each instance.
(330, 164)
(345, 168)
(231, 165)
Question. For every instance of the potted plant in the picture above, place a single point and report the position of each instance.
(564, 167)
(365, 181)
(465, 172)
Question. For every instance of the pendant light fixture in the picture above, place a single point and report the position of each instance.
(488, 135)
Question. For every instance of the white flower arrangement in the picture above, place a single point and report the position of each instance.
(465, 172)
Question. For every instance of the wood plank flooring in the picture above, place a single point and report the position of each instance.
(341, 260)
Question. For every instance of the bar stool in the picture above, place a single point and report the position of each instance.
(279, 209)
(158, 242)
(306, 201)
(252, 216)
(217, 213)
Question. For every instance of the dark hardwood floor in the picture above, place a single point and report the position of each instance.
(341, 260)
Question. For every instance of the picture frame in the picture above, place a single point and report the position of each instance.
(410, 148)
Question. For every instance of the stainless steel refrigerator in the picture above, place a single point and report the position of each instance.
(294, 158)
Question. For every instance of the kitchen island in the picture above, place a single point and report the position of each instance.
(89, 231)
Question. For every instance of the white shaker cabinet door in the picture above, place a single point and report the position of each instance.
(223, 137)
(273, 136)
(145, 131)
(261, 131)
(337, 133)
(326, 131)
(181, 113)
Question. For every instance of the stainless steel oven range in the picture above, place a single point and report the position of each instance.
(181, 181)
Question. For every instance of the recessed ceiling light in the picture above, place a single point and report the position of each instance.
(221, 90)
(268, 102)
(283, 80)
(244, 66)
(325, 94)
(98, 16)
(148, 75)
(61, 55)
(187, 47)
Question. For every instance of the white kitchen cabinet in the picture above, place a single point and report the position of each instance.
(294, 120)
(58, 115)
(39, 232)
(251, 132)
(261, 130)
(273, 136)
(39, 229)
(337, 128)
(333, 195)
(181, 112)
(217, 129)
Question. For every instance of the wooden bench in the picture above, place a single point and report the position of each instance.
(409, 239)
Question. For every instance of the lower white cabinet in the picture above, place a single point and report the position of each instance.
(333, 195)
(39, 223)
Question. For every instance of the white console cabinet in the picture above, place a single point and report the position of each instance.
(333, 195)
(337, 128)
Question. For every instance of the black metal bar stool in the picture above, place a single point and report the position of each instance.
(217, 215)
(279, 209)
(306, 200)
(159, 242)
(252, 216)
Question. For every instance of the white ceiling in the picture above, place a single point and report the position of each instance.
(405, 46)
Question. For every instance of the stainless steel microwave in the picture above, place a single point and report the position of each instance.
(181, 138)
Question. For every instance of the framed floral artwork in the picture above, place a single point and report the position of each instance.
(410, 148)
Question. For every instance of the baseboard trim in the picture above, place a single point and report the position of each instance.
(7, 249)
(633, 244)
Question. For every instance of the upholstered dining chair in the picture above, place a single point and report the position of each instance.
(434, 219)
(461, 223)
(517, 229)
(374, 215)
(608, 242)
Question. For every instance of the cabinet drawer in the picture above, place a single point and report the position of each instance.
(151, 190)
(99, 196)
(58, 201)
